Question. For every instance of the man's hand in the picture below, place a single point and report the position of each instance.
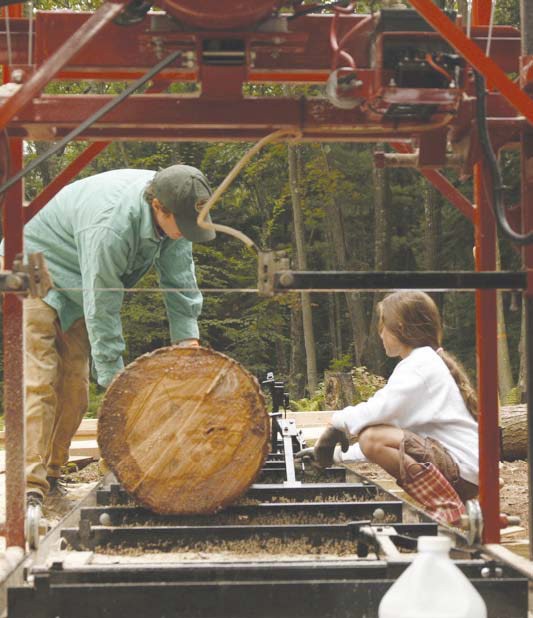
(325, 446)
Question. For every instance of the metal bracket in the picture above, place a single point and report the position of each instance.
(380, 538)
(269, 263)
(32, 278)
(288, 431)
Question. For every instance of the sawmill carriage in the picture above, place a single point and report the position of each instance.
(432, 84)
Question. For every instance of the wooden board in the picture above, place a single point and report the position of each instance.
(185, 430)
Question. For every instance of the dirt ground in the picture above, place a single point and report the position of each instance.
(514, 499)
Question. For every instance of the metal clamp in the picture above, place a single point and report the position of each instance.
(288, 430)
(380, 538)
(270, 263)
(32, 278)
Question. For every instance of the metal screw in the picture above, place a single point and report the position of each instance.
(378, 515)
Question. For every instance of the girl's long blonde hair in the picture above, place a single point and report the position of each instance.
(413, 318)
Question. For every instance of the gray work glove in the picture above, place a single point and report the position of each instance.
(322, 453)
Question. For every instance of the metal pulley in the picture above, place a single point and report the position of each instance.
(343, 88)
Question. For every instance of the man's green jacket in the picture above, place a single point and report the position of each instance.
(98, 233)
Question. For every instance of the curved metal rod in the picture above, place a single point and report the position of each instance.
(268, 139)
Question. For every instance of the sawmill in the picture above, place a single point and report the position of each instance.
(204, 510)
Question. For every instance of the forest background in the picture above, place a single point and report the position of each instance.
(330, 208)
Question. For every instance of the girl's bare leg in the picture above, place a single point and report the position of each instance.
(381, 445)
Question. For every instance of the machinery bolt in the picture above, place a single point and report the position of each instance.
(105, 519)
(13, 282)
(485, 572)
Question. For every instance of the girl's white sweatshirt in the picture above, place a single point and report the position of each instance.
(421, 396)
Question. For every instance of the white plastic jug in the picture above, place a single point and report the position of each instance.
(432, 587)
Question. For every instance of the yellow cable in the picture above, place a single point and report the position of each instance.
(268, 139)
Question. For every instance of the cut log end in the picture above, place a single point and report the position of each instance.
(185, 430)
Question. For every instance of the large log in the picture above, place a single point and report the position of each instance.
(185, 430)
(513, 423)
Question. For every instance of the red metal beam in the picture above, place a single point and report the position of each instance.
(115, 51)
(467, 48)
(487, 337)
(46, 72)
(175, 117)
(14, 366)
(487, 359)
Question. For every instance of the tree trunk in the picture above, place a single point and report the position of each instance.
(301, 257)
(522, 353)
(380, 176)
(332, 325)
(433, 232)
(339, 390)
(297, 368)
(353, 299)
(513, 423)
(505, 375)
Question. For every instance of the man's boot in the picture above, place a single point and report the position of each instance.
(57, 487)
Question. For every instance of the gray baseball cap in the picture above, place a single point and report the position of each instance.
(180, 188)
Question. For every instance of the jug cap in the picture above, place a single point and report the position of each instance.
(434, 543)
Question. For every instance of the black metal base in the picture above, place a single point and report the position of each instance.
(336, 515)
(316, 592)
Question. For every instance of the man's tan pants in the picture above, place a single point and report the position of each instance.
(57, 390)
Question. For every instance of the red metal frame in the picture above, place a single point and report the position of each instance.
(13, 366)
(81, 46)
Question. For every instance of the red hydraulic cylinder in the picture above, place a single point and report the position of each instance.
(14, 366)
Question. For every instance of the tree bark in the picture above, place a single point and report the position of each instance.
(301, 258)
(339, 390)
